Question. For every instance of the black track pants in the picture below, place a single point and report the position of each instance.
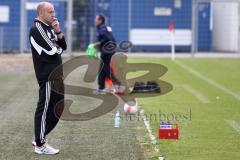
(105, 71)
(45, 118)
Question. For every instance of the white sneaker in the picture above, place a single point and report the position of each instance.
(100, 91)
(46, 149)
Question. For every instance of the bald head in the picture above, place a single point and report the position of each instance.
(45, 12)
(42, 6)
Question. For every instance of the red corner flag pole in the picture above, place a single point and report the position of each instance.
(171, 30)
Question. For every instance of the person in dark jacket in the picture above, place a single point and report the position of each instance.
(47, 44)
(106, 44)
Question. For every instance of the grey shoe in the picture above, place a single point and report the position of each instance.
(100, 91)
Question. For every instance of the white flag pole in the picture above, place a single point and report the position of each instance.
(172, 32)
(173, 45)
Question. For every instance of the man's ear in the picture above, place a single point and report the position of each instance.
(41, 12)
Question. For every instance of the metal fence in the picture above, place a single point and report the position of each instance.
(151, 25)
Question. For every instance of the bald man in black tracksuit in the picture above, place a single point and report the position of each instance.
(47, 44)
(107, 45)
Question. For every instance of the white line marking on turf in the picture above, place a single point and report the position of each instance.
(202, 98)
(215, 84)
(151, 136)
(234, 125)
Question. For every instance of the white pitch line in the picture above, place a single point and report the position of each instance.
(234, 125)
(151, 136)
(213, 83)
(202, 98)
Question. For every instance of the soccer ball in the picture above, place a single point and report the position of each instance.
(131, 107)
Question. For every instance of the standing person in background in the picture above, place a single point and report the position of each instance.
(106, 44)
(47, 44)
